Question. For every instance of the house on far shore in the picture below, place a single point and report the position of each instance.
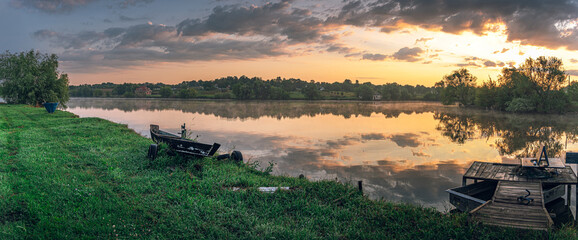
(377, 97)
(143, 91)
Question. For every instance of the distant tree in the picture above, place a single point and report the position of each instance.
(459, 86)
(486, 95)
(364, 92)
(187, 93)
(573, 91)
(166, 92)
(243, 91)
(535, 86)
(547, 73)
(32, 78)
(311, 92)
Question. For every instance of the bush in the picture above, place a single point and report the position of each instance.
(520, 105)
(32, 78)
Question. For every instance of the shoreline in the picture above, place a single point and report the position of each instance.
(67, 177)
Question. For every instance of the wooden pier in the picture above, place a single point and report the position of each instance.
(504, 209)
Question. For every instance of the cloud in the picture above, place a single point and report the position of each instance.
(50, 6)
(339, 48)
(424, 40)
(64, 6)
(548, 23)
(374, 57)
(271, 19)
(373, 136)
(572, 72)
(480, 62)
(404, 54)
(121, 47)
(406, 140)
(408, 54)
(504, 50)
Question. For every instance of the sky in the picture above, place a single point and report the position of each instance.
(379, 41)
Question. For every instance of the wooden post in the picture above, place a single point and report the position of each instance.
(463, 181)
(569, 195)
(360, 185)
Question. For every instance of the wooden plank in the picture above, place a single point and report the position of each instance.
(488, 171)
(481, 170)
(505, 210)
(474, 168)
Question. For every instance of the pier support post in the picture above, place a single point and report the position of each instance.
(360, 186)
(569, 195)
(464, 181)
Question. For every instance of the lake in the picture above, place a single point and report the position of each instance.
(402, 151)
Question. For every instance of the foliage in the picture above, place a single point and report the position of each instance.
(245, 88)
(573, 91)
(365, 92)
(536, 86)
(32, 78)
(166, 92)
(187, 93)
(460, 87)
(521, 105)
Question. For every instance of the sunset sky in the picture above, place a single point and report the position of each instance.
(381, 41)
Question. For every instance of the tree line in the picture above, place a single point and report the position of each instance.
(245, 88)
(538, 85)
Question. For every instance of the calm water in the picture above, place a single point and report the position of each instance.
(410, 152)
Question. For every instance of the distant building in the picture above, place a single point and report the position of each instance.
(143, 91)
(377, 97)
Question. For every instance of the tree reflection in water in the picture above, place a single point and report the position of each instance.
(518, 135)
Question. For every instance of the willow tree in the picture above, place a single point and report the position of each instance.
(32, 78)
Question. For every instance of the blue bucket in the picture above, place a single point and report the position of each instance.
(50, 107)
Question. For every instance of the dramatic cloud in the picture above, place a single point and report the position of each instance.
(118, 47)
(548, 23)
(271, 19)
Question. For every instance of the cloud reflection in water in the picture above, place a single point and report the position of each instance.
(410, 152)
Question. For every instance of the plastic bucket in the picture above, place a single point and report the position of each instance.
(50, 107)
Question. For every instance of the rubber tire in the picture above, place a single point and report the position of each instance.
(153, 150)
(237, 156)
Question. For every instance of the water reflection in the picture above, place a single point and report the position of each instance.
(519, 135)
(258, 109)
(409, 152)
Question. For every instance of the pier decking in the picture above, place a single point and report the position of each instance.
(504, 209)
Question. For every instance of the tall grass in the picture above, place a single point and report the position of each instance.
(63, 177)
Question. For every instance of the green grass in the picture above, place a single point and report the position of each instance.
(63, 177)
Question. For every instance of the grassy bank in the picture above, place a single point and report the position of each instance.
(63, 177)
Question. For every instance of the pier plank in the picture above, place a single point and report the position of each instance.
(505, 210)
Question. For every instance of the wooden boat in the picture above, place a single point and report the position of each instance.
(471, 196)
(179, 144)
